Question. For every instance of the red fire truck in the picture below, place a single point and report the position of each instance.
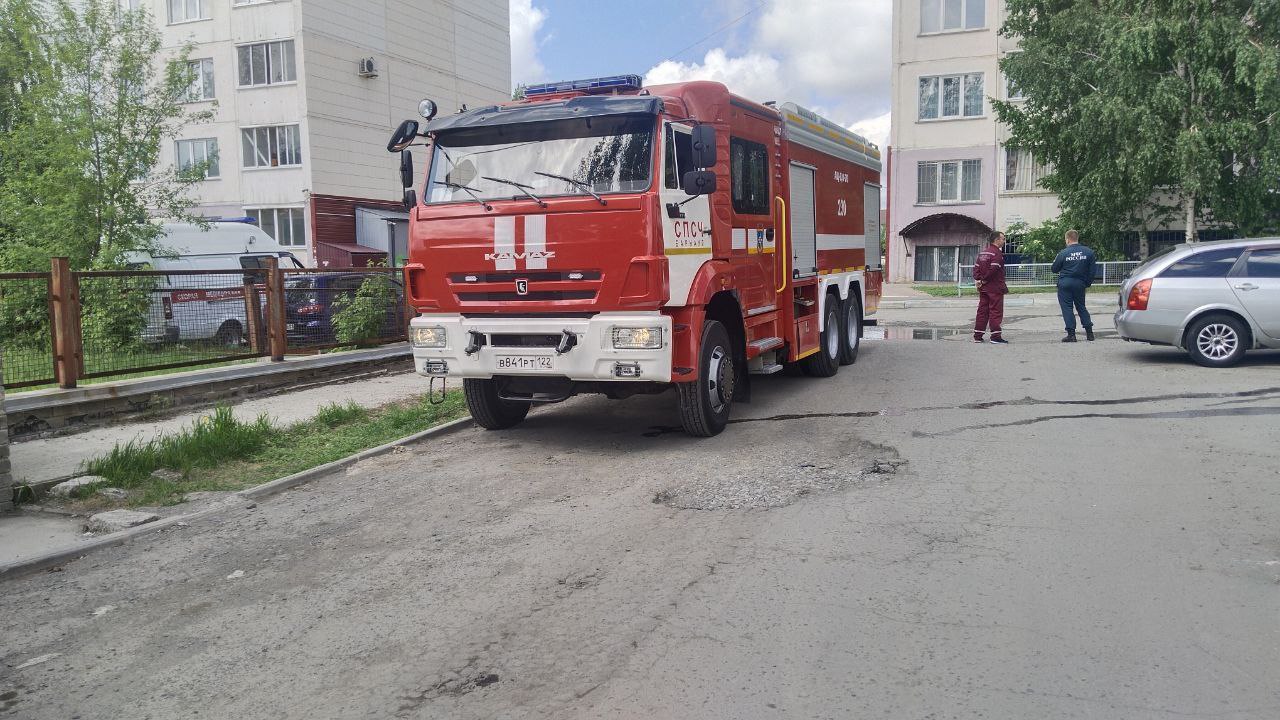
(600, 236)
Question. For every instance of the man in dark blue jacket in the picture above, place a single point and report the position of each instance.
(1074, 266)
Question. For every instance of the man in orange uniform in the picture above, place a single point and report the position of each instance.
(988, 272)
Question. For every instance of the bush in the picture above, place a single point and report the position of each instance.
(362, 318)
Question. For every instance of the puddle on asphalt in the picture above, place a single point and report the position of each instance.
(900, 332)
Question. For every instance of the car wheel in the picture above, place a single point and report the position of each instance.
(229, 334)
(487, 407)
(1216, 341)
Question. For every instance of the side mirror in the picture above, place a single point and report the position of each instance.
(406, 169)
(410, 198)
(403, 136)
(704, 146)
(698, 182)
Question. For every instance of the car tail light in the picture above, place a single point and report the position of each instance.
(167, 304)
(1140, 295)
(312, 309)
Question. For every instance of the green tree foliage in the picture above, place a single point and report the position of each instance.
(371, 313)
(84, 106)
(1150, 109)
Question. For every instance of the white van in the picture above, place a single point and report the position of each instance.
(206, 307)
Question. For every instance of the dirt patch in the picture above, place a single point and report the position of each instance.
(775, 483)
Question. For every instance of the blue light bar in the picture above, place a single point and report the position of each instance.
(593, 85)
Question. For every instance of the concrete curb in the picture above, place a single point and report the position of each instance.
(969, 302)
(26, 566)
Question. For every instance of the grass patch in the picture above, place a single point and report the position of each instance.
(945, 291)
(219, 452)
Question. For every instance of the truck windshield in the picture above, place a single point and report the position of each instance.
(600, 154)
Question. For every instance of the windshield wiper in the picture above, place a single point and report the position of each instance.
(574, 181)
(519, 186)
(470, 191)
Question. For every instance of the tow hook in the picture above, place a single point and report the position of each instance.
(568, 341)
(477, 342)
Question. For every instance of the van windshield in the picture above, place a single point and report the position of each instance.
(600, 154)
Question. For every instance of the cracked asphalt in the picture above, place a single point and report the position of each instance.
(944, 530)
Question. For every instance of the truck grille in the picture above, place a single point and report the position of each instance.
(531, 296)
(514, 340)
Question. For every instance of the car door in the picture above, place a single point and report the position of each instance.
(1258, 288)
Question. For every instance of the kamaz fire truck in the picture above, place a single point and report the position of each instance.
(600, 236)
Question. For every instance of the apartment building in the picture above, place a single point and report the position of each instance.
(305, 94)
(952, 175)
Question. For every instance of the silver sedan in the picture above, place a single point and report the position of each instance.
(1215, 299)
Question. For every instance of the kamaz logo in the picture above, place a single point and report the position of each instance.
(535, 255)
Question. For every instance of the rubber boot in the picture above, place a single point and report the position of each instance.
(1070, 336)
(1088, 334)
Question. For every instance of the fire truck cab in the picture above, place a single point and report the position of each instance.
(600, 236)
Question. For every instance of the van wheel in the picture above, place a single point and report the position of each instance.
(851, 330)
(705, 402)
(230, 334)
(489, 410)
(1216, 341)
(826, 362)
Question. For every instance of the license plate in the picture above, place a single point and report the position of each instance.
(524, 362)
(289, 326)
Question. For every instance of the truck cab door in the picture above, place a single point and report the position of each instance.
(686, 219)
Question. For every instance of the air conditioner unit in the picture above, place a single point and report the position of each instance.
(368, 68)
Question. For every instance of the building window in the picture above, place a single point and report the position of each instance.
(201, 87)
(192, 154)
(951, 96)
(749, 173)
(188, 10)
(284, 224)
(947, 15)
(948, 181)
(272, 146)
(266, 63)
(1022, 172)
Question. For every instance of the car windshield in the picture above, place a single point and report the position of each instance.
(599, 154)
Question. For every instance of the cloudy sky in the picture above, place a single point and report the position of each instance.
(831, 56)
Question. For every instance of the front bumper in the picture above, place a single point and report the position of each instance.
(592, 357)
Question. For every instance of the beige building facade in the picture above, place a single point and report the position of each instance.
(304, 95)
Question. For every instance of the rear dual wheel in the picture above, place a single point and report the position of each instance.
(826, 362)
(851, 329)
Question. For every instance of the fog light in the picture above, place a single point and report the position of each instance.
(644, 338)
(435, 367)
(432, 336)
(626, 370)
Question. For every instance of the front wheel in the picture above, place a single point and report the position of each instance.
(1216, 341)
(488, 409)
(705, 402)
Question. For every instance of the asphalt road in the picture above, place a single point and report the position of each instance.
(944, 530)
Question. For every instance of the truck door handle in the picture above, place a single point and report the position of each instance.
(1246, 286)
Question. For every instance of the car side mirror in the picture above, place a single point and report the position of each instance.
(698, 182)
(410, 198)
(704, 146)
(406, 169)
(404, 136)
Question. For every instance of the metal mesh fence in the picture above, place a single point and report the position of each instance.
(1042, 275)
(325, 309)
(25, 330)
(139, 321)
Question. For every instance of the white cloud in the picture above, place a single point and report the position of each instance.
(526, 21)
(875, 129)
(829, 53)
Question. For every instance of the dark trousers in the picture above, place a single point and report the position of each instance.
(990, 314)
(1071, 294)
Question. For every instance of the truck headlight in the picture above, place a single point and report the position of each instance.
(640, 338)
(431, 336)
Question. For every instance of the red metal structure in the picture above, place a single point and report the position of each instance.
(598, 236)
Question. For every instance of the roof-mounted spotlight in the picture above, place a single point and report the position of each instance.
(427, 109)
